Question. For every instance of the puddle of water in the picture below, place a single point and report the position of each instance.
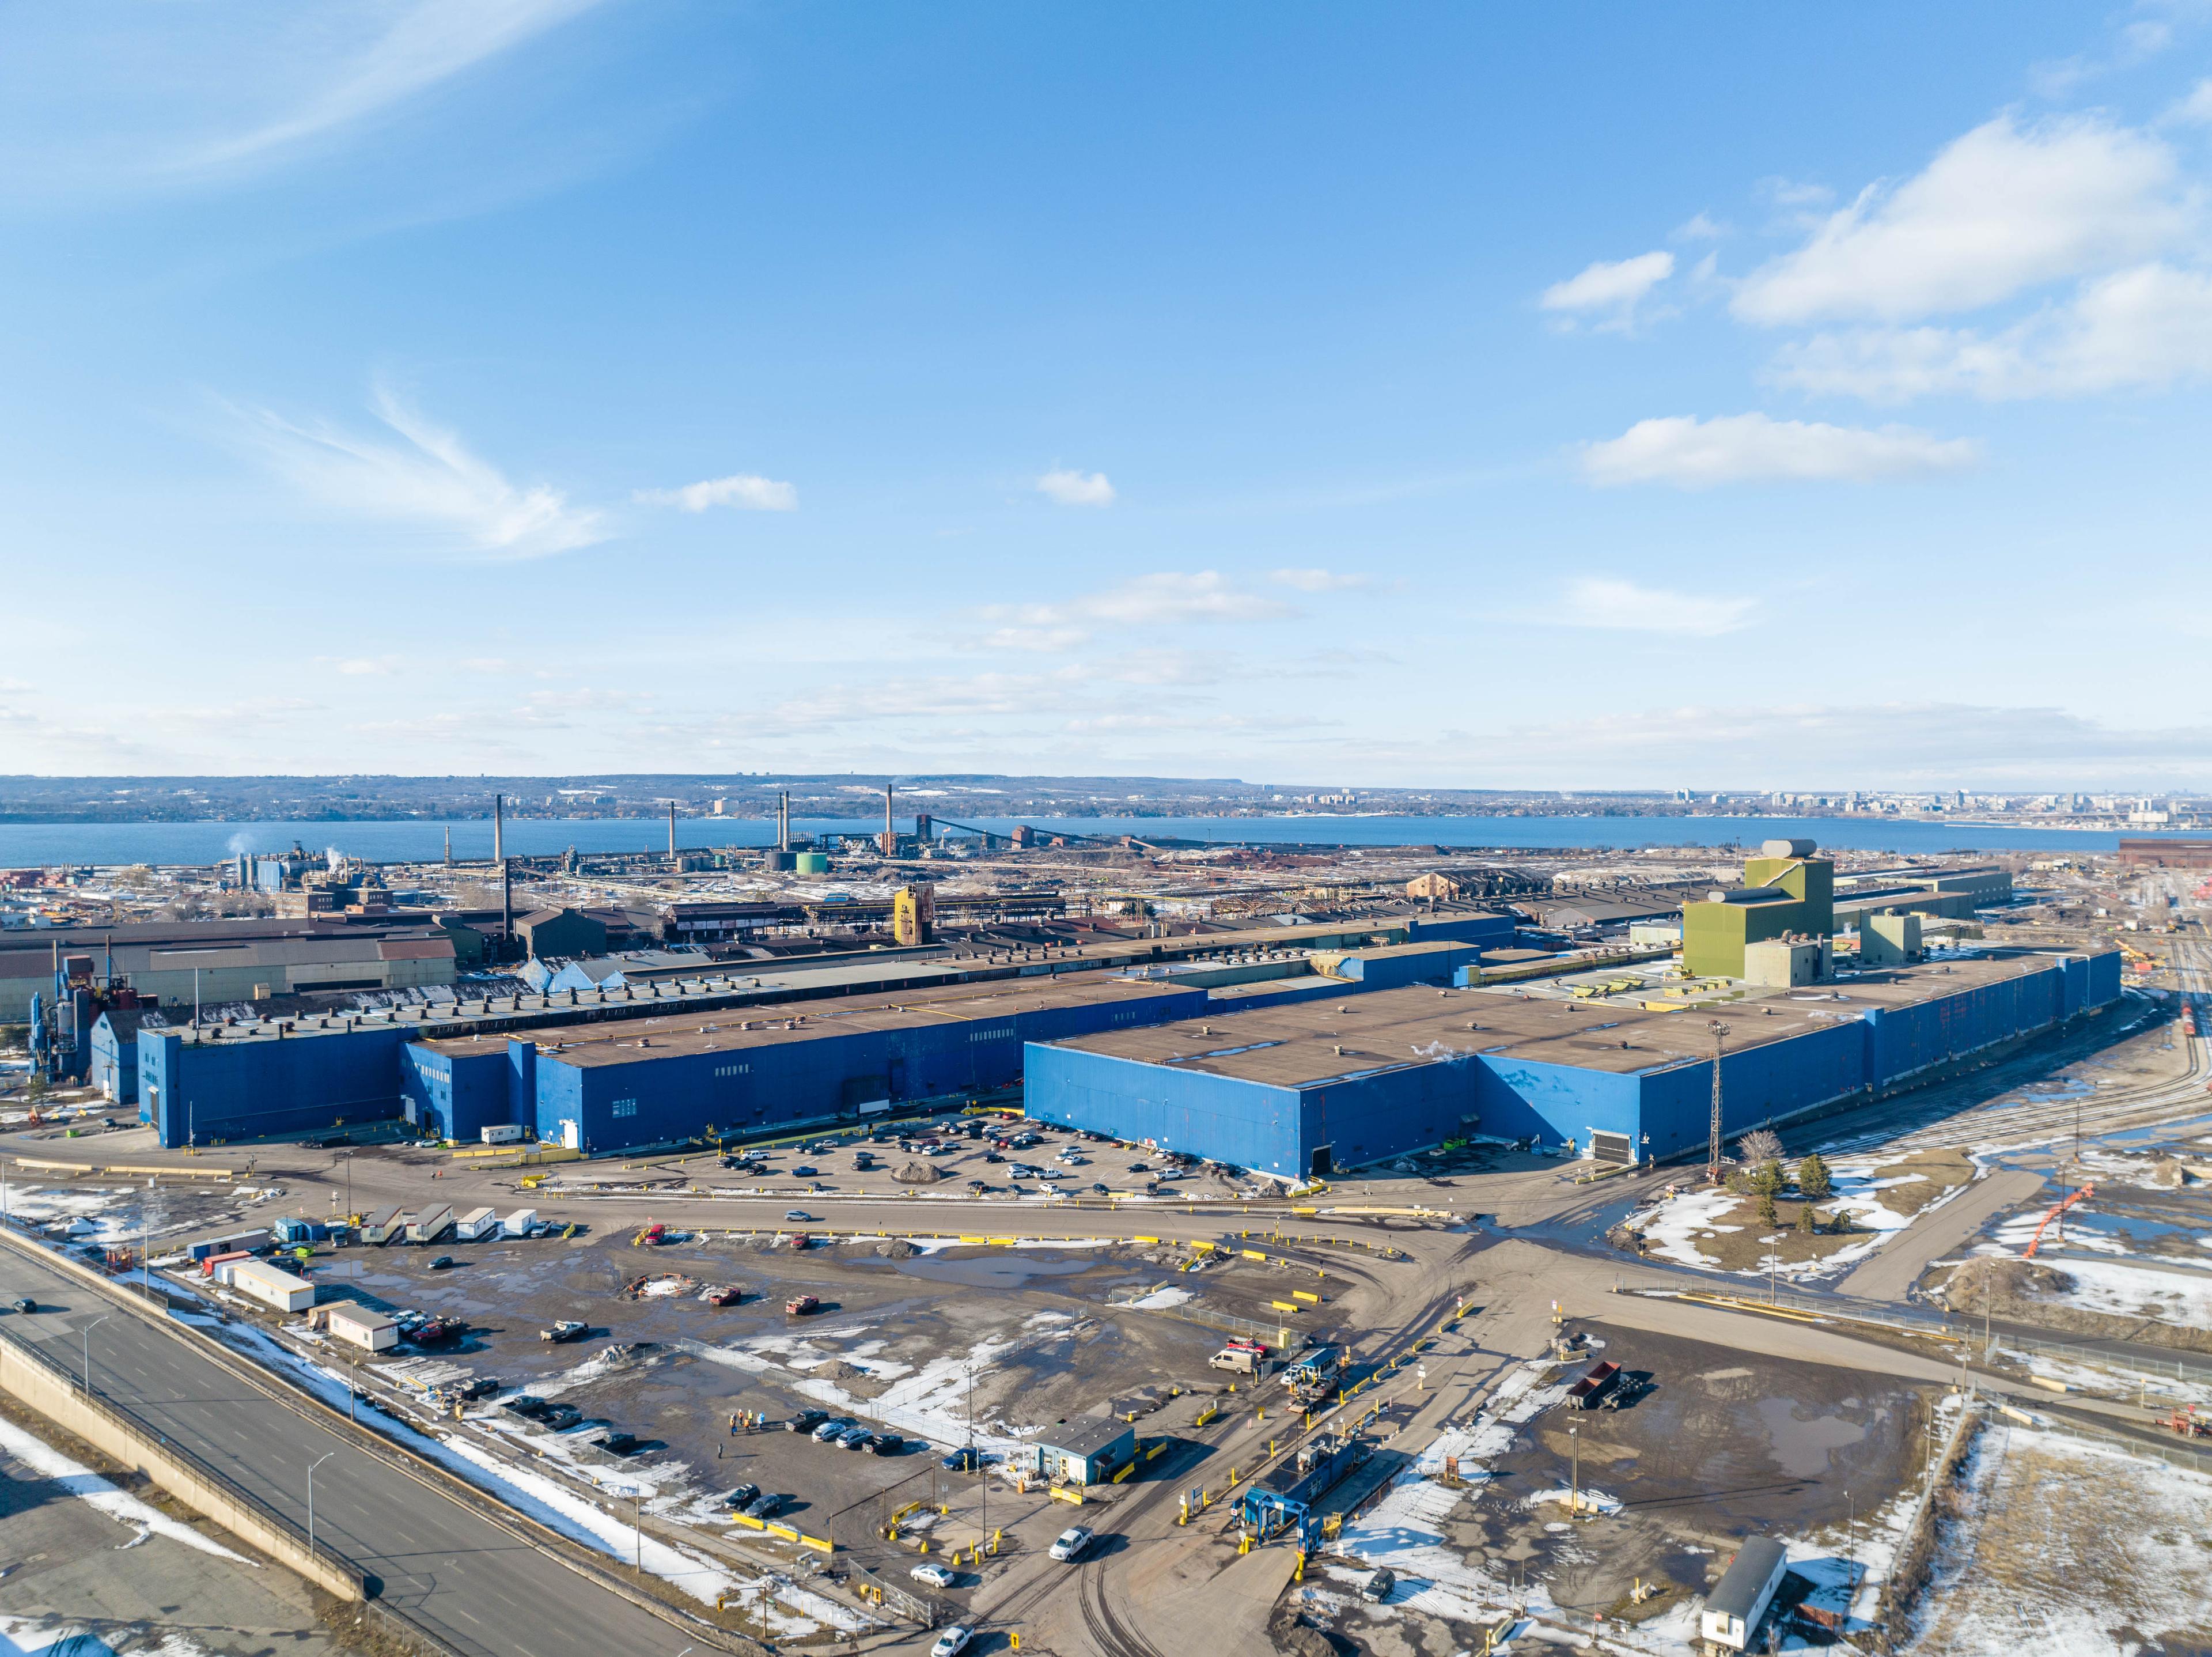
(990, 1271)
(1802, 1447)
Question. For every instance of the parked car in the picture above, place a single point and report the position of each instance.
(965, 1459)
(936, 1575)
(885, 1444)
(743, 1496)
(767, 1505)
(952, 1642)
(620, 1444)
(1376, 1588)
(806, 1421)
(836, 1426)
(441, 1263)
(1101, 1191)
(1068, 1547)
(803, 1172)
(478, 1386)
(27, 1306)
(567, 1329)
(854, 1438)
(993, 1157)
(1140, 1168)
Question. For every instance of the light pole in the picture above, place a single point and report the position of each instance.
(346, 1157)
(1574, 1475)
(88, 1328)
(312, 1466)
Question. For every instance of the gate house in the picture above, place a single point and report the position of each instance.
(1087, 1450)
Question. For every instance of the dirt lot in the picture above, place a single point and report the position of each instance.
(1726, 1443)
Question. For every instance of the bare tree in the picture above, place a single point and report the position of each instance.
(1760, 1145)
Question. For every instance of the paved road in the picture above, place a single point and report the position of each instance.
(1899, 1262)
(479, 1588)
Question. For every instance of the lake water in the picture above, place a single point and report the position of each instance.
(30, 844)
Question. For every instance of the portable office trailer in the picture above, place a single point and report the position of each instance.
(357, 1326)
(218, 1266)
(502, 1133)
(272, 1286)
(1735, 1607)
(431, 1224)
(239, 1242)
(384, 1225)
(476, 1224)
(519, 1223)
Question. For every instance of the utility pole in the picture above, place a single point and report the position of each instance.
(1575, 1474)
(1719, 1032)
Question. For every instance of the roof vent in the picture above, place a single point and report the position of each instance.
(1339, 1050)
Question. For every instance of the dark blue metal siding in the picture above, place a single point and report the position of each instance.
(1516, 1098)
(455, 1095)
(1372, 1118)
(1904, 1040)
(2104, 978)
(1380, 972)
(1485, 931)
(297, 1084)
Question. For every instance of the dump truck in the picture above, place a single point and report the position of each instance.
(801, 1306)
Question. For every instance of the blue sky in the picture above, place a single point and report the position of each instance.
(1613, 396)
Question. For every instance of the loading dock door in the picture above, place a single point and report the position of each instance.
(1321, 1165)
(1612, 1147)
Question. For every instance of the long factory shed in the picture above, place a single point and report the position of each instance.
(1309, 1087)
(309, 1074)
(618, 1087)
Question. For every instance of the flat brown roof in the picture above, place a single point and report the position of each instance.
(1309, 1044)
(620, 1043)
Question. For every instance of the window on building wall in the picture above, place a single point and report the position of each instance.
(625, 1107)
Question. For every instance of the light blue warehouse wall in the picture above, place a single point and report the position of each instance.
(1518, 1098)
(114, 1067)
(1176, 1109)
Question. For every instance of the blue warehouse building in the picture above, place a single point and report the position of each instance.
(649, 1081)
(1297, 1089)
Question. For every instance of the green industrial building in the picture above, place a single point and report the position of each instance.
(1787, 892)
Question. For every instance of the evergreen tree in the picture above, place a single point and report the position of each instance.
(1807, 1221)
(1766, 1211)
(1813, 1177)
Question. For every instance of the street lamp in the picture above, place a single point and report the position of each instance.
(312, 1466)
(88, 1328)
(1575, 1475)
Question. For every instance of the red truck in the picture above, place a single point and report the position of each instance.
(801, 1306)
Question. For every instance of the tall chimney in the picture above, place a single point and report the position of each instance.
(671, 831)
(888, 829)
(449, 845)
(506, 900)
(783, 820)
(498, 822)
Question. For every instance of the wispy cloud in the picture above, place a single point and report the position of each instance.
(428, 478)
(1692, 454)
(1072, 488)
(1320, 580)
(1626, 606)
(421, 45)
(1608, 291)
(743, 490)
(361, 666)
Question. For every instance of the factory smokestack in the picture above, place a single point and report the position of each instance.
(671, 831)
(498, 824)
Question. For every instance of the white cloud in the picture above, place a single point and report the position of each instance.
(2194, 109)
(430, 479)
(422, 44)
(1169, 598)
(1692, 454)
(1698, 227)
(1072, 488)
(1320, 580)
(1603, 601)
(743, 490)
(2143, 328)
(1611, 291)
(1999, 209)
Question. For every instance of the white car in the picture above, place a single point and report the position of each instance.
(799, 1217)
(1069, 1544)
(936, 1575)
(952, 1642)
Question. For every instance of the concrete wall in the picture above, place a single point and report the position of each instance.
(47, 1393)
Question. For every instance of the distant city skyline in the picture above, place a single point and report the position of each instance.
(1423, 397)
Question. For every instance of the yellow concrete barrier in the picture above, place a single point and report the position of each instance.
(1145, 1239)
(1253, 1254)
(1300, 1295)
(1206, 1414)
(1125, 1472)
(2049, 1384)
(1061, 1493)
(820, 1543)
(1284, 1306)
(749, 1523)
